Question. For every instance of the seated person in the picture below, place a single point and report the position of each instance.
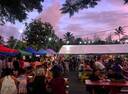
(110, 74)
(95, 75)
(103, 77)
(119, 76)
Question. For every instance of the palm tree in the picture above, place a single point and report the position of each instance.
(119, 32)
(1, 40)
(73, 6)
(69, 38)
(11, 42)
(126, 1)
(69, 7)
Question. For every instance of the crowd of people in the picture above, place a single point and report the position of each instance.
(45, 78)
(103, 69)
(112, 68)
(50, 76)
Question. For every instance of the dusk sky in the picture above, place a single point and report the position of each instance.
(107, 15)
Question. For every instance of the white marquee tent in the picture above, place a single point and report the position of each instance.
(94, 49)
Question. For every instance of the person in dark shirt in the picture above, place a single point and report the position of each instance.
(95, 75)
(57, 84)
(111, 74)
(117, 70)
(16, 65)
(39, 85)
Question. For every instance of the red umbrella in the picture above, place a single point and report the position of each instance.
(6, 49)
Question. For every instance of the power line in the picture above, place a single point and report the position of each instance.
(99, 32)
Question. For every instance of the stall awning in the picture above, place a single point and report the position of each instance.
(42, 52)
(25, 53)
(31, 50)
(7, 51)
(50, 51)
(94, 49)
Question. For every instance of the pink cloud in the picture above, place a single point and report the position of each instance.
(74, 28)
(85, 31)
(119, 4)
(93, 22)
(52, 15)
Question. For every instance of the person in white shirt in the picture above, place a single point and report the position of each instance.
(99, 64)
(67, 65)
(81, 68)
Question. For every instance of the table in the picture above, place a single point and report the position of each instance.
(113, 86)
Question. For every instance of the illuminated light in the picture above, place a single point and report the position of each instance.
(85, 42)
(50, 39)
(89, 42)
(80, 42)
(92, 41)
(21, 31)
(67, 42)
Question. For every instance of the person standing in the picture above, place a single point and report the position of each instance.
(16, 64)
(39, 84)
(8, 84)
(81, 69)
(21, 63)
(57, 84)
(10, 63)
(22, 87)
(124, 68)
(66, 65)
(99, 64)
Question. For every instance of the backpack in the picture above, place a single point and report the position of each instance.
(8, 86)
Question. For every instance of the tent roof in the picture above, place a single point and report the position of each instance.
(8, 54)
(42, 52)
(30, 50)
(24, 52)
(6, 49)
(94, 49)
(50, 51)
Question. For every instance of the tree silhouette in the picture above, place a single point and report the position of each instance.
(40, 35)
(73, 6)
(1, 40)
(20, 44)
(12, 10)
(119, 32)
(98, 40)
(79, 41)
(11, 42)
(126, 1)
(69, 38)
